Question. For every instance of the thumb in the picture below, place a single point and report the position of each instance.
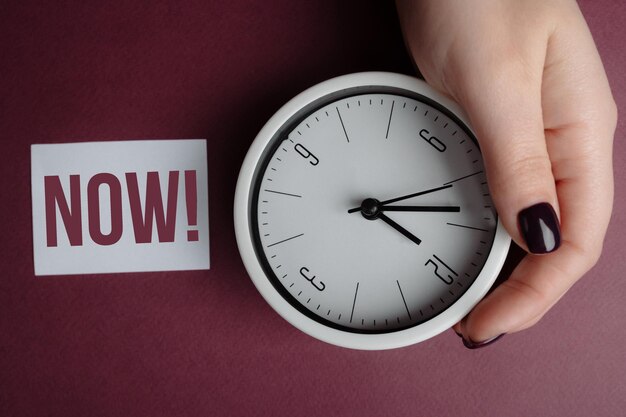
(506, 114)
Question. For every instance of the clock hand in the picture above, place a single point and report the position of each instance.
(371, 210)
(404, 197)
(399, 228)
(449, 209)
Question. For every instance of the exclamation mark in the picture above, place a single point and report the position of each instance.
(191, 197)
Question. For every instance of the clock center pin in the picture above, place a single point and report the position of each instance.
(370, 208)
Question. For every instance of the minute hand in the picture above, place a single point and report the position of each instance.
(448, 209)
(404, 197)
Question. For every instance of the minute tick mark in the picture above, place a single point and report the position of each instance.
(390, 115)
(284, 240)
(468, 227)
(403, 300)
(354, 301)
(342, 125)
(282, 193)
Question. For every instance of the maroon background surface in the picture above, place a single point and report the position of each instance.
(205, 343)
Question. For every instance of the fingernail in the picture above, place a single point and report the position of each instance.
(457, 333)
(475, 345)
(540, 228)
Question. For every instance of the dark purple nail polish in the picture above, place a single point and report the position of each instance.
(475, 345)
(457, 333)
(540, 228)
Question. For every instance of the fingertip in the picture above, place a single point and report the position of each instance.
(540, 228)
(470, 344)
(519, 302)
(473, 342)
(489, 319)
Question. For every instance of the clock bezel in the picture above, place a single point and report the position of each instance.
(246, 226)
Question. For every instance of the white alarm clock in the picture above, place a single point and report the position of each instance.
(363, 214)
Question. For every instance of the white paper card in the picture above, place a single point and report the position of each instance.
(127, 206)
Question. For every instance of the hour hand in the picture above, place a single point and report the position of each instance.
(371, 210)
(399, 228)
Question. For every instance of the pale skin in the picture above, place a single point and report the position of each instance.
(531, 81)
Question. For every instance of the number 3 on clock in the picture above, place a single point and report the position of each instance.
(448, 279)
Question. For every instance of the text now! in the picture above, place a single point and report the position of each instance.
(143, 216)
(120, 206)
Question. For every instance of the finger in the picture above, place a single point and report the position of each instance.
(585, 190)
(523, 298)
(518, 303)
(504, 108)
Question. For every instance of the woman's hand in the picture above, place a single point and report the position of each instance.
(531, 81)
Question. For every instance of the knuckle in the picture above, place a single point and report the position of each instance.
(528, 171)
(530, 163)
(526, 291)
(588, 255)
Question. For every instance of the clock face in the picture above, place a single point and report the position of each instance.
(369, 213)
